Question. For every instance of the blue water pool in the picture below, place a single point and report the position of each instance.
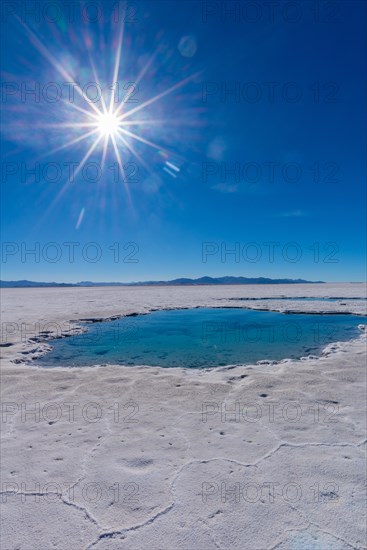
(302, 299)
(200, 338)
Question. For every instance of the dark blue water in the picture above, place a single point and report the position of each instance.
(199, 338)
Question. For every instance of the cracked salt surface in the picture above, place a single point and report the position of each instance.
(172, 449)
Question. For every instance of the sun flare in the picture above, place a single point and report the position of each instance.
(108, 124)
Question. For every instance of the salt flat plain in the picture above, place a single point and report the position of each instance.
(252, 457)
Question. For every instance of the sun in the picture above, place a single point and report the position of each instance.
(108, 124)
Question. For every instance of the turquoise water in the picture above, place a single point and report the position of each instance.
(201, 337)
(302, 299)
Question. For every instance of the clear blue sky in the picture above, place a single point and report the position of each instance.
(299, 109)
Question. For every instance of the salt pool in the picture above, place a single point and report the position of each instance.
(200, 338)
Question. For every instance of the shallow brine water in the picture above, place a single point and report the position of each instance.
(201, 338)
(301, 299)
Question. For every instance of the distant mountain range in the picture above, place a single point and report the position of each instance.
(175, 282)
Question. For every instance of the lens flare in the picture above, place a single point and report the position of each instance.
(117, 124)
(108, 124)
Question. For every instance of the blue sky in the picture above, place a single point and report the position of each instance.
(281, 160)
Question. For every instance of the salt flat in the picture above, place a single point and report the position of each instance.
(252, 457)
